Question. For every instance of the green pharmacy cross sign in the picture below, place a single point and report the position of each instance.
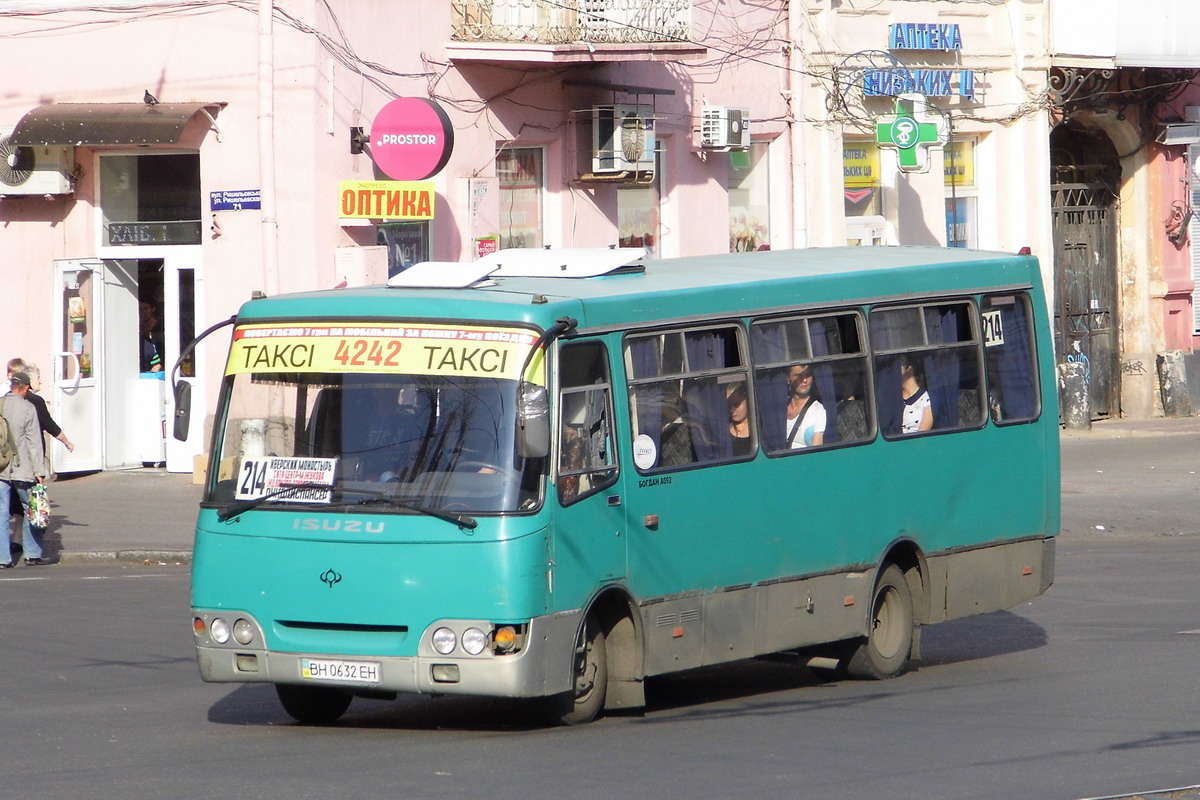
(912, 130)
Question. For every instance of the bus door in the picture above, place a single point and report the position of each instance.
(589, 531)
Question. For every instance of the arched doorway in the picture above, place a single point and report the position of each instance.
(1084, 189)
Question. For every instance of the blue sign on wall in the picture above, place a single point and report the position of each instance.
(235, 200)
(929, 82)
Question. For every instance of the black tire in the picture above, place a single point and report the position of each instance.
(313, 705)
(584, 703)
(884, 653)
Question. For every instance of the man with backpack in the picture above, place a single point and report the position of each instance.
(22, 458)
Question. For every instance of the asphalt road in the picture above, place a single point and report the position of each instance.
(1087, 692)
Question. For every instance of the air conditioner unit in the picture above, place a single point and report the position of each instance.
(723, 128)
(623, 138)
(34, 170)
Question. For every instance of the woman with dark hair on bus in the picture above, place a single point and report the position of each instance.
(739, 422)
(918, 410)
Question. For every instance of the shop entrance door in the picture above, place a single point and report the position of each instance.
(121, 325)
(151, 316)
(75, 402)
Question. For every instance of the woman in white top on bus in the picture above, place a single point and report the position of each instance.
(806, 418)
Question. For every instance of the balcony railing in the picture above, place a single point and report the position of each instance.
(568, 21)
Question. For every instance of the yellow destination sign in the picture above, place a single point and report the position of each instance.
(454, 350)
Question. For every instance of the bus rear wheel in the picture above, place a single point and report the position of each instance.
(313, 705)
(584, 702)
(884, 653)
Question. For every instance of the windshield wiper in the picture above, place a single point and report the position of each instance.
(461, 520)
(245, 505)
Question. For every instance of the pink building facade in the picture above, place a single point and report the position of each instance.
(163, 162)
(172, 160)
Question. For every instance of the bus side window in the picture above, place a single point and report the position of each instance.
(812, 372)
(587, 449)
(927, 358)
(1008, 340)
(680, 383)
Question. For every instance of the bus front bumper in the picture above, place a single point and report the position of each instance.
(542, 668)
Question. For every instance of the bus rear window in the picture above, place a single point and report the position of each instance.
(1007, 323)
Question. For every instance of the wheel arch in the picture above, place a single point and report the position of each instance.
(910, 558)
(617, 614)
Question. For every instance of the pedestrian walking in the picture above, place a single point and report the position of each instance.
(23, 471)
(45, 421)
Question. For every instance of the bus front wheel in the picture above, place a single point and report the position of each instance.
(313, 705)
(885, 652)
(584, 701)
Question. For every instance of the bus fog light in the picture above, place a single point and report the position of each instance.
(445, 673)
(219, 630)
(444, 641)
(243, 632)
(474, 640)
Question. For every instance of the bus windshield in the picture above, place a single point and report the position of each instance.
(422, 427)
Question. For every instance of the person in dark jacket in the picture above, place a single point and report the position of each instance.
(29, 392)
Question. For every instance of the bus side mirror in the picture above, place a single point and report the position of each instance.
(533, 421)
(183, 409)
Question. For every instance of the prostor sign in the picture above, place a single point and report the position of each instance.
(411, 139)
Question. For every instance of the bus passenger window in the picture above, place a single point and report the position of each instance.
(587, 451)
(927, 368)
(1007, 323)
(811, 380)
(680, 384)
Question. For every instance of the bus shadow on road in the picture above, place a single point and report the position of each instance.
(996, 634)
(959, 641)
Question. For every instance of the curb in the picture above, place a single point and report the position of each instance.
(143, 557)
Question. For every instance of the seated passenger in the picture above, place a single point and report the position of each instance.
(739, 422)
(917, 414)
(806, 417)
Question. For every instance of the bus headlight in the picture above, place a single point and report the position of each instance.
(218, 629)
(474, 640)
(444, 641)
(243, 632)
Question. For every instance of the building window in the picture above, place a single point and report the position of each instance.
(962, 218)
(862, 195)
(150, 200)
(519, 170)
(407, 243)
(639, 223)
(749, 199)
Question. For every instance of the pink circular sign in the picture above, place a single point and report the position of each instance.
(411, 139)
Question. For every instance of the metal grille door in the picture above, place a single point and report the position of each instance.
(1085, 287)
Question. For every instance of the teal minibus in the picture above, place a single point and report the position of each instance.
(554, 474)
